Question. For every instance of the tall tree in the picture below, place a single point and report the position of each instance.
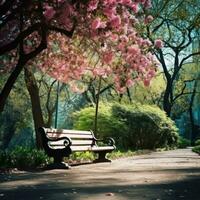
(33, 90)
(177, 24)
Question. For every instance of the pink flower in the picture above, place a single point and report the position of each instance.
(146, 82)
(151, 73)
(148, 19)
(109, 2)
(108, 57)
(97, 23)
(129, 82)
(121, 90)
(158, 44)
(146, 42)
(93, 4)
(134, 50)
(147, 4)
(126, 2)
(114, 37)
(115, 21)
(121, 46)
(135, 7)
(49, 12)
(109, 12)
(99, 71)
(124, 38)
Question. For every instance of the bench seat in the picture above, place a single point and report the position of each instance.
(59, 143)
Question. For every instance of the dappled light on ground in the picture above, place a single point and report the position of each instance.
(161, 175)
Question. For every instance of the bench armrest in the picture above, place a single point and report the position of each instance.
(46, 139)
(108, 140)
(67, 141)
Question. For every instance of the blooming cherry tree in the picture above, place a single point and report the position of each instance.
(101, 40)
(107, 31)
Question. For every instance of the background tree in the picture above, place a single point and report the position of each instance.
(177, 24)
(16, 116)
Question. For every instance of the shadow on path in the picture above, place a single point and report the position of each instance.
(116, 181)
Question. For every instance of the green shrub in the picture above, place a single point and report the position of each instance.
(196, 149)
(197, 142)
(23, 158)
(107, 123)
(183, 142)
(4, 159)
(132, 126)
(148, 127)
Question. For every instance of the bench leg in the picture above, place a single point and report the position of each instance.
(58, 164)
(57, 159)
(101, 157)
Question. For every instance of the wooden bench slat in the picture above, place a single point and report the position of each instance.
(76, 136)
(103, 148)
(63, 131)
(82, 142)
(80, 148)
(74, 142)
(93, 148)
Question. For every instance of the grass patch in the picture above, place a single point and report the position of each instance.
(82, 157)
(196, 149)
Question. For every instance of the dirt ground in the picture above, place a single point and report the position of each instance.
(169, 175)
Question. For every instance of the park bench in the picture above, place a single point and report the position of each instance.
(59, 143)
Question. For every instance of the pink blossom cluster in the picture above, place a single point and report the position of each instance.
(158, 43)
(108, 28)
(67, 64)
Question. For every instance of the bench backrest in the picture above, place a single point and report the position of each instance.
(84, 139)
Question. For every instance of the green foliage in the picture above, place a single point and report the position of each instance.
(24, 138)
(4, 160)
(196, 149)
(149, 95)
(147, 127)
(17, 113)
(132, 126)
(23, 158)
(121, 154)
(107, 123)
(183, 142)
(81, 156)
(197, 142)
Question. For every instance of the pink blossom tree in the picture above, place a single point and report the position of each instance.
(102, 40)
(106, 43)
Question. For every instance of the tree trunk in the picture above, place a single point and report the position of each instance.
(97, 108)
(9, 83)
(33, 90)
(167, 106)
(193, 128)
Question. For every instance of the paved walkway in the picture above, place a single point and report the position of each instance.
(170, 175)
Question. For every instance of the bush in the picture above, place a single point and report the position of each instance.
(197, 142)
(4, 159)
(183, 143)
(23, 158)
(107, 123)
(196, 149)
(132, 126)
